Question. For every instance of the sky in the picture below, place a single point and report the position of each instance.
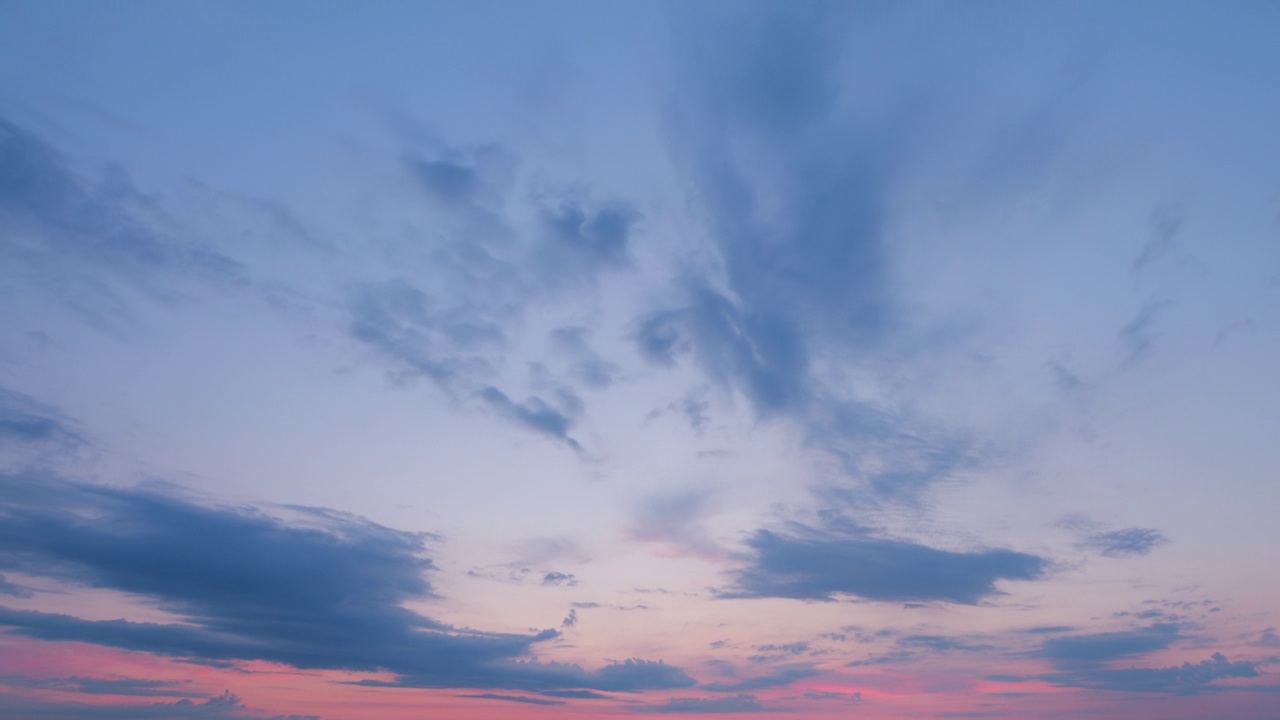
(610, 360)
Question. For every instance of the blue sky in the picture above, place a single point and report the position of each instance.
(582, 359)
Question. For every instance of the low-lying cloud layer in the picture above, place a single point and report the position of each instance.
(324, 591)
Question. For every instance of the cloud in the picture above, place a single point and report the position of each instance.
(1128, 542)
(226, 706)
(632, 675)
(588, 367)
(447, 181)
(516, 698)
(820, 566)
(325, 591)
(101, 686)
(1166, 222)
(912, 647)
(827, 695)
(939, 644)
(638, 674)
(658, 336)
(1186, 679)
(576, 694)
(572, 240)
(795, 648)
(1138, 334)
(1267, 638)
(783, 675)
(598, 239)
(89, 238)
(488, 253)
(23, 419)
(558, 578)
(741, 703)
(1106, 646)
(534, 413)
(445, 343)
(758, 353)
(455, 345)
(794, 207)
(13, 589)
(1090, 661)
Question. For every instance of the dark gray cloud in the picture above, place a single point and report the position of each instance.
(226, 706)
(794, 205)
(576, 694)
(101, 686)
(516, 698)
(445, 180)
(559, 578)
(467, 187)
(741, 703)
(641, 675)
(1186, 679)
(599, 238)
(1103, 661)
(325, 591)
(795, 648)
(1125, 542)
(534, 413)
(1106, 646)
(825, 695)
(814, 565)
(794, 151)
(758, 353)
(1049, 629)
(795, 201)
(633, 675)
(1128, 542)
(1090, 661)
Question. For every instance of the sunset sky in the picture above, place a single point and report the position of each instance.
(881, 360)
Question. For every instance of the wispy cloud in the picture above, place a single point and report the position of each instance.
(23, 419)
(87, 239)
(780, 677)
